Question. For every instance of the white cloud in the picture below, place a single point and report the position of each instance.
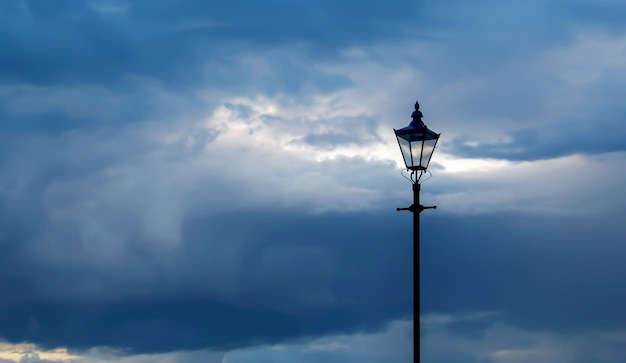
(573, 185)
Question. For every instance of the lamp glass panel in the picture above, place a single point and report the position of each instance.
(416, 152)
(429, 147)
(405, 148)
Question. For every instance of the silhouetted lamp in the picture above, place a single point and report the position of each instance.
(417, 142)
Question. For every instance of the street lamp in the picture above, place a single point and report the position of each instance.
(417, 144)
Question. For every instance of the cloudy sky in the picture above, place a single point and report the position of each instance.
(216, 181)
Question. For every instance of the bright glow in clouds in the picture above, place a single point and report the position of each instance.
(548, 186)
(269, 124)
(269, 135)
(455, 165)
(20, 352)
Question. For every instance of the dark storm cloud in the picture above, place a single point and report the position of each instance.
(52, 111)
(72, 42)
(552, 274)
(361, 270)
(161, 326)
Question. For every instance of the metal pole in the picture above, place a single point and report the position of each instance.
(416, 271)
(416, 209)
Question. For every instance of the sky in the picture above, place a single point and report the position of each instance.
(191, 181)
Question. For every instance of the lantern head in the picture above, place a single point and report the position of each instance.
(416, 142)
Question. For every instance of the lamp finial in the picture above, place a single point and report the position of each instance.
(417, 117)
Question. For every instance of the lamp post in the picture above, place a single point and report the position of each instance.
(417, 144)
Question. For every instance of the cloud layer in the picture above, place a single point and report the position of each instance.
(221, 179)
